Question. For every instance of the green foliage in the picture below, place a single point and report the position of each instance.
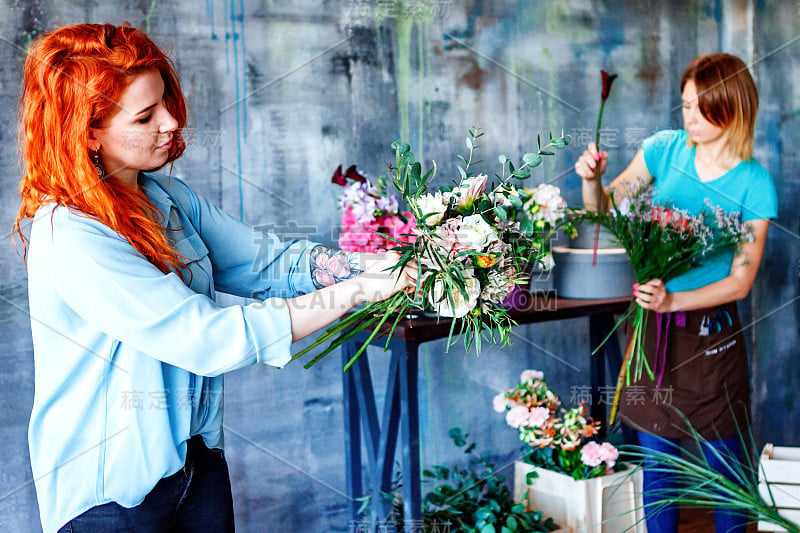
(470, 500)
(701, 486)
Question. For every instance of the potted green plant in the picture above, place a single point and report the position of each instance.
(469, 499)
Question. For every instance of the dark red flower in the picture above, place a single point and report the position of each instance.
(353, 174)
(608, 79)
(339, 178)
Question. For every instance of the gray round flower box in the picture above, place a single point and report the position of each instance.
(574, 276)
(585, 239)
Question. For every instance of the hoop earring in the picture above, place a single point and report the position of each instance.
(98, 164)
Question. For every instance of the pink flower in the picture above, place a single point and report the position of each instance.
(330, 268)
(499, 402)
(337, 264)
(591, 454)
(518, 416)
(471, 189)
(348, 218)
(538, 416)
(609, 454)
(531, 374)
(323, 278)
(352, 241)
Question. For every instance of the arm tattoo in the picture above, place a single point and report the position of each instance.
(628, 190)
(329, 266)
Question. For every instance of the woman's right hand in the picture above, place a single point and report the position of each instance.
(587, 164)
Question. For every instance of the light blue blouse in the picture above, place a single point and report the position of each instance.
(128, 360)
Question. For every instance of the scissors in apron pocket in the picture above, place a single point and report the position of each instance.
(709, 326)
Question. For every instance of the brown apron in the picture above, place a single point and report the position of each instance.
(705, 378)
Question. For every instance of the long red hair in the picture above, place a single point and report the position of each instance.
(73, 78)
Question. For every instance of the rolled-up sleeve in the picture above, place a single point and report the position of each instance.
(248, 261)
(114, 288)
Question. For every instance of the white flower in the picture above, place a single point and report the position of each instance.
(461, 306)
(547, 261)
(435, 204)
(623, 208)
(531, 374)
(551, 204)
(474, 233)
(365, 212)
(387, 204)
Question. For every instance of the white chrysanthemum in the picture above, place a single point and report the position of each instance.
(435, 204)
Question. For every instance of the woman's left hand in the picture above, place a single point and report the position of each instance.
(378, 282)
(653, 295)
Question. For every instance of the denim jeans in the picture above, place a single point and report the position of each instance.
(195, 498)
(664, 519)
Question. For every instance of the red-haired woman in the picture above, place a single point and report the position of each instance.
(705, 377)
(123, 264)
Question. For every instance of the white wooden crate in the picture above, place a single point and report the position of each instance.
(779, 473)
(605, 504)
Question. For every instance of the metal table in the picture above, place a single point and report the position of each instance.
(401, 409)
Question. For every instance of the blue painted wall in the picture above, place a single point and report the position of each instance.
(280, 93)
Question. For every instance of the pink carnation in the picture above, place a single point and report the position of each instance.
(518, 416)
(538, 416)
(529, 374)
(591, 454)
(499, 402)
(609, 454)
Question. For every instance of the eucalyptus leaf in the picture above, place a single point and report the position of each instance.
(535, 161)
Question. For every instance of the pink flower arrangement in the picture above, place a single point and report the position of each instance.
(560, 439)
(371, 220)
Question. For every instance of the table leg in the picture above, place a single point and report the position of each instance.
(384, 466)
(409, 427)
(352, 435)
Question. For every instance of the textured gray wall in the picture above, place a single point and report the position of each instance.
(280, 93)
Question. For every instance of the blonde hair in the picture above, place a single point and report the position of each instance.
(727, 97)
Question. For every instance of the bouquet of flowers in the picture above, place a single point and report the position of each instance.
(368, 213)
(662, 243)
(561, 438)
(469, 254)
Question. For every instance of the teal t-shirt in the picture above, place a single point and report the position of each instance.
(746, 189)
